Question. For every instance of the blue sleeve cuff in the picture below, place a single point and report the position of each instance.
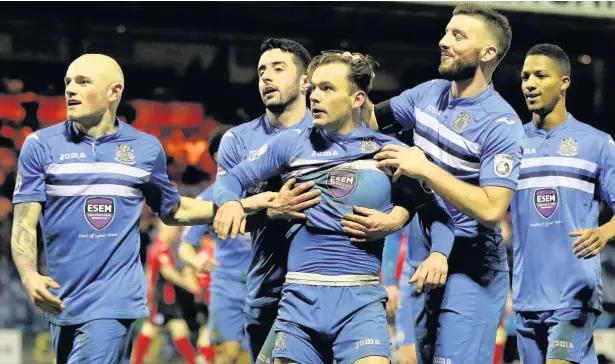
(389, 280)
(442, 238)
(30, 197)
(498, 182)
(225, 197)
(166, 209)
(227, 188)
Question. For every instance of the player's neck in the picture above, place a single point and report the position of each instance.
(291, 116)
(470, 87)
(106, 125)
(553, 119)
(348, 125)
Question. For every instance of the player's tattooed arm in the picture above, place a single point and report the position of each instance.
(23, 248)
(23, 237)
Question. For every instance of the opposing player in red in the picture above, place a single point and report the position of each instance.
(206, 350)
(170, 297)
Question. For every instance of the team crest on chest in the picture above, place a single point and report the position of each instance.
(368, 146)
(568, 147)
(341, 182)
(461, 122)
(124, 154)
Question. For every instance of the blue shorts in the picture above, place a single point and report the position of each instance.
(226, 322)
(564, 334)
(404, 322)
(98, 342)
(317, 324)
(258, 327)
(458, 322)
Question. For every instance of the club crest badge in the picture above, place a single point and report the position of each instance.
(124, 154)
(280, 341)
(568, 147)
(220, 172)
(341, 182)
(461, 122)
(368, 146)
(99, 211)
(546, 201)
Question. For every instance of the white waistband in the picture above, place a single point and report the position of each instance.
(313, 279)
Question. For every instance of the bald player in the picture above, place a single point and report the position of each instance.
(85, 180)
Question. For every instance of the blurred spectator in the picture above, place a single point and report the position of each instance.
(8, 168)
(6, 209)
(126, 113)
(193, 181)
(31, 118)
(193, 80)
(6, 142)
(12, 85)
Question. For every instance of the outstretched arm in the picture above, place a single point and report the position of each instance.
(190, 211)
(269, 160)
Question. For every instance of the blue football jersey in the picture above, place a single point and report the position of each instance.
(232, 255)
(565, 173)
(478, 140)
(344, 170)
(269, 246)
(92, 191)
